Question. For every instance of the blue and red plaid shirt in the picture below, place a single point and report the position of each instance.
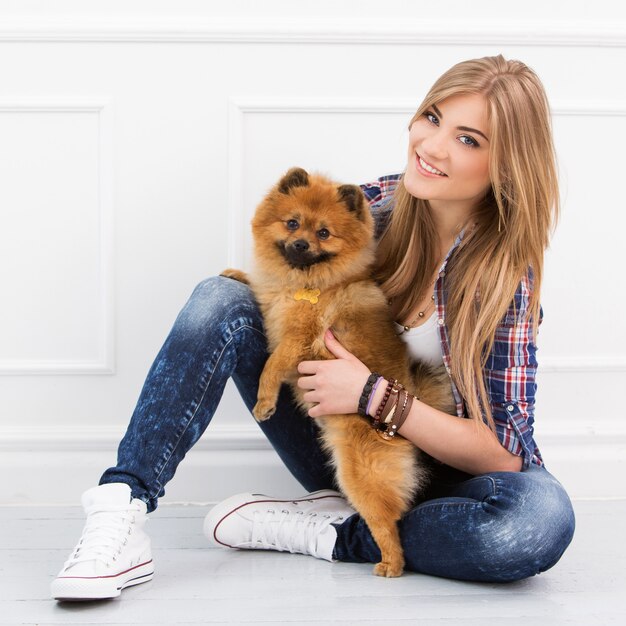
(511, 365)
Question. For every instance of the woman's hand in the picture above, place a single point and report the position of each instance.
(335, 385)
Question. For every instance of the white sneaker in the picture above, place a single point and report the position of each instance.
(113, 551)
(259, 522)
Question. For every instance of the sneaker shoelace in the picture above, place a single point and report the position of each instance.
(285, 531)
(105, 534)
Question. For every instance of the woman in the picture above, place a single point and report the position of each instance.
(463, 230)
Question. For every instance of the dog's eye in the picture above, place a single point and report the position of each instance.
(293, 224)
(323, 233)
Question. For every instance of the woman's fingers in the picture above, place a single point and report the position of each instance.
(308, 367)
(310, 396)
(332, 343)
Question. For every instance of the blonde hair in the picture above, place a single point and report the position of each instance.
(512, 225)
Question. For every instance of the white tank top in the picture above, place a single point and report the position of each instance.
(423, 341)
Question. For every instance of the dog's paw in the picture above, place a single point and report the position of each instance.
(238, 275)
(389, 570)
(263, 410)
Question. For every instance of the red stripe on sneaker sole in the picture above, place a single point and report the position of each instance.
(130, 569)
(306, 499)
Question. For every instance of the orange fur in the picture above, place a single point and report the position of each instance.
(379, 478)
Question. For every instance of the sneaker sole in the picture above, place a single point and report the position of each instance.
(84, 588)
(223, 509)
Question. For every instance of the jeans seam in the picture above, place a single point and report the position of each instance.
(426, 505)
(494, 486)
(445, 505)
(204, 391)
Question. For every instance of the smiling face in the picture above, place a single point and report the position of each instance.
(448, 161)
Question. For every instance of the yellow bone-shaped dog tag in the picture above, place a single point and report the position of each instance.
(307, 294)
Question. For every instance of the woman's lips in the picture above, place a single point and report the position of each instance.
(425, 172)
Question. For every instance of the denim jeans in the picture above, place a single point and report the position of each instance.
(495, 527)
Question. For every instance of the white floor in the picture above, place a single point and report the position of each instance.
(197, 585)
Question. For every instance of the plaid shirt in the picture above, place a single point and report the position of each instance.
(511, 365)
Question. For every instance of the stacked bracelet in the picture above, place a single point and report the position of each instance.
(368, 392)
(369, 402)
(393, 408)
(383, 403)
(392, 411)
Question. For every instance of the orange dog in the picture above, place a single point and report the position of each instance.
(314, 249)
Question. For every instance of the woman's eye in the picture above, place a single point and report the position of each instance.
(293, 224)
(431, 117)
(323, 233)
(468, 141)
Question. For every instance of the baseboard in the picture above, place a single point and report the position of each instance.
(54, 468)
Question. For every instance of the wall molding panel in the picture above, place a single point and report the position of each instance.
(101, 108)
(250, 437)
(335, 30)
(227, 458)
(102, 438)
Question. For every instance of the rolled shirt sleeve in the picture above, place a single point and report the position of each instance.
(510, 377)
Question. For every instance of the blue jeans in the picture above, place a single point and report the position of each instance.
(501, 526)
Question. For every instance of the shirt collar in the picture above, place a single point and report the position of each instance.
(455, 245)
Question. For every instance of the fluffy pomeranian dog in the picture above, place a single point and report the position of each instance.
(314, 251)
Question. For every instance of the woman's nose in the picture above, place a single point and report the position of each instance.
(434, 146)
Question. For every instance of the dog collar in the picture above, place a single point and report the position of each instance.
(307, 294)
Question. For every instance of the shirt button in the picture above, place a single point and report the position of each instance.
(440, 321)
(510, 408)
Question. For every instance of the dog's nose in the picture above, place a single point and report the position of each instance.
(301, 245)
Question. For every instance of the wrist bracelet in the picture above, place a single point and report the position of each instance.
(399, 417)
(392, 411)
(383, 403)
(387, 405)
(366, 393)
(391, 405)
(372, 393)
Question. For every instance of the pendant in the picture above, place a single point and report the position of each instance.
(310, 295)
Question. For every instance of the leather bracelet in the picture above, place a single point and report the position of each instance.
(365, 394)
(387, 407)
(399, 416)
(390, 406)
(392, 411)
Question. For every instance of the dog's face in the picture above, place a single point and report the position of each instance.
(309, 225)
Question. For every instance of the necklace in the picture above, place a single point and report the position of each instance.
(420, 315)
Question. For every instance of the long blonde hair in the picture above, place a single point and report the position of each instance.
(512, 224)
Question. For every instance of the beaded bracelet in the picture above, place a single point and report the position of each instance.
(383, 403)
(392, 411)
(387, 405)
(367, 391)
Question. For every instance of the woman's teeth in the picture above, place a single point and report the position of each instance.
(429, 168)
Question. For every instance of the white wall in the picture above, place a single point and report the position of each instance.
(136, 138)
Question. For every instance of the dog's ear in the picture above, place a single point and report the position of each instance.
(295, 177)
(353, 198)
